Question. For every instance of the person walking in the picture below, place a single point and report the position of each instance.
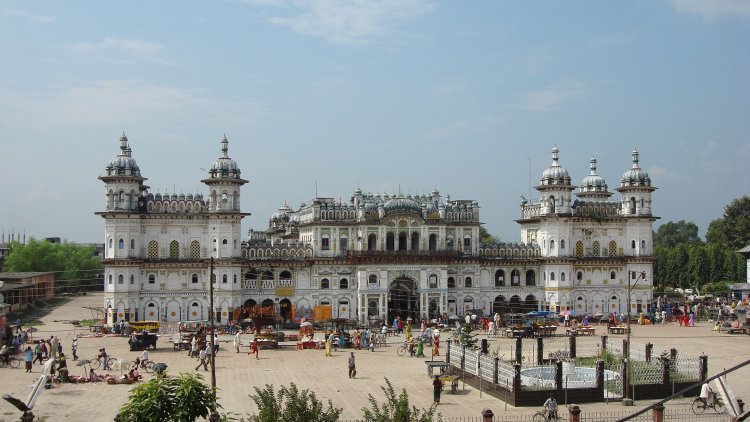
(105, 359)
(38, 352)
(237, 342)
(329, 344)
(352, 366)
(74, 348)
(254, 349)
(202, 359)
(437, 388)
(28, 357)
(54, 347)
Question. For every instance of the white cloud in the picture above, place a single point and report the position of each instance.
(133, 46)
(554, 96)
(17, 13)
(712, 10)
(345, 21)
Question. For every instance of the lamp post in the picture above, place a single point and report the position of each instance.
(213, 330)
(627, 400)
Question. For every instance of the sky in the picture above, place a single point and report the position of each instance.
(390, 96)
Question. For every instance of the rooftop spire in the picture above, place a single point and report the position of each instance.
(592, 165)
(225, 147)
(635, 158)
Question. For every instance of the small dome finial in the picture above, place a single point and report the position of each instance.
(635, 157)
(592, 165)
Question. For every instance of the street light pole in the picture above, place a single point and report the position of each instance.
(627, 400)
(213, 330)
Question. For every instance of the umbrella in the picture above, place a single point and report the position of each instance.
(454, 317)
(160, 367)
(305, 324)
(83, 362)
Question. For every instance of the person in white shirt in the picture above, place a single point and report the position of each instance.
(707, 394)
(142, 359)
(551, 406)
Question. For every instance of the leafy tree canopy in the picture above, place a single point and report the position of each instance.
(184, 398)
(485, 238)
(290, 404)
(671, 234)
(733, 229)
(75, 265)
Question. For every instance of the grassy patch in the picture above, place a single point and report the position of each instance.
(86, 322)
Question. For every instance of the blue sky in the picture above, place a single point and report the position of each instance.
(464, 97)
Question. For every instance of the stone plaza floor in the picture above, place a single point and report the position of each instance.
(238, 373)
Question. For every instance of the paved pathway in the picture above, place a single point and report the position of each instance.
(237, 374)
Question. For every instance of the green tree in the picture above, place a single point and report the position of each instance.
(733, 229)
(290, 404)
(661, 270)
(74, 265)
(397, 409)
(715, 233)
(698, 266)
(183, 398)
(671, 234)
(677, 266)
(485, 238)
(716, 261)
(466, 336)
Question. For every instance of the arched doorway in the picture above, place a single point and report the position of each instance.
(434, 310)
(514, 306)
(499, 305)
(372, 308)
(195, 313)
(403, 299)
(344, 309)
(530, 304)
(285, 309)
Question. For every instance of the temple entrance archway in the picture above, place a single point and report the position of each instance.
(403, 299)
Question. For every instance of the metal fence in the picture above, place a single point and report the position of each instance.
(685, 369)
(588, 346)
(471, 362)
(505, 374)
(487, 366)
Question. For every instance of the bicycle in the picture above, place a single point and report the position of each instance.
(112, 362)
(544, 416)
(147, 365)
(410, 347)
(700, 405)
(13, 361)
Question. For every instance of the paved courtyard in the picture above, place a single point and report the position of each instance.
(237, 374)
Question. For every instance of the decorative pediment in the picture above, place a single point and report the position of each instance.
(344, 270)
(325, 271)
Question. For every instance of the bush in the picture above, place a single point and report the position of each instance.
(290, 404)
(180, 399)
(397, 409)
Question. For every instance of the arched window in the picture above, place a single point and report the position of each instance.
(390, 242)
(552, 204)
(552, 246)
(372, 279)
(234, 278)
(174, 249)
(224, 242)
(343, 284)
(153, 249)
(632, 205)
(562, 244)
(596, 248)
(132, 243)
(325, 284)
(451, 283)
(152, 279)
(579, 276)
(515, 278)
(499, 278)
(632, 244)
(433, 242)
(402, 241)
(612, 248)
(612, 275)
(120, 279)
(132, 279)
(468, 282)
(372, 242)
(643, 247)
(552, 276)
(109, 279)
(562, 276)
(194, 278)
(325, 242)
(579, 249)
(121, 244)
(195, 249)
(432, 281)
(530, 278)
(111, 243)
